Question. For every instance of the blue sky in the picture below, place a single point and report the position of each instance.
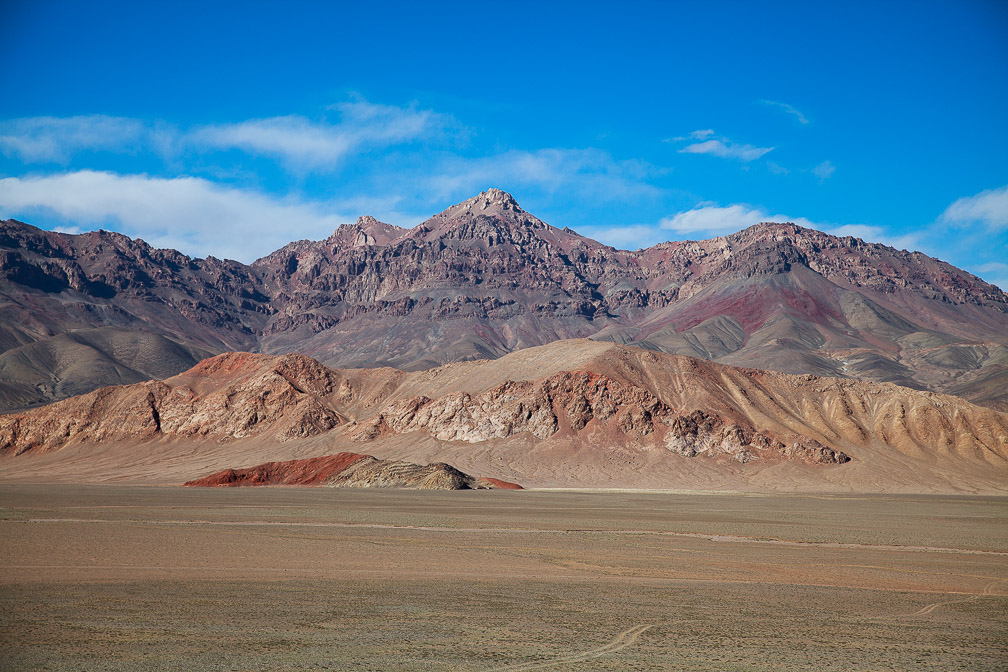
(230, 129)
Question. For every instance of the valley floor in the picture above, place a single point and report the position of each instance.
(105, 577)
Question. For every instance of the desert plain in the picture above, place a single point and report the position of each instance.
(120, 577)
(730, 395)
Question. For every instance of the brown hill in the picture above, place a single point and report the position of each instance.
(352, 470)
(224, 398)
(485, 278)
(571, 413)
(80, 361)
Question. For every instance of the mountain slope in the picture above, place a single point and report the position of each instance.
(79, 361)
(485, 278)
(571, 413)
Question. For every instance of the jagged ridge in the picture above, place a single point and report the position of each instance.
(484, 278)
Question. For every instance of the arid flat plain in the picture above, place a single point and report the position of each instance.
(120, 578)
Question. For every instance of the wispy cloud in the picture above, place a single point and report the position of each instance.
(290, 137)
(864, 231)
(699, 134)
(709, 219)
(994, 272)
(988, 209)
(876, 234)
(301, 142)
(588, 172)
(788, 109)
(726, 149)
(824, 170)
(776, 168)
(186, 213)
(315, 144)
(632, 237)
(58, 139)
(73, 230)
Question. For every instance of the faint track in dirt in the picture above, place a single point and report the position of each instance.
(716, 538)
(618, 643)
(924, 611)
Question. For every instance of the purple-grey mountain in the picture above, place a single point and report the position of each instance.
(484, 278)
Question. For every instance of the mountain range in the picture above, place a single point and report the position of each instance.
(485, 278)
(576, 412)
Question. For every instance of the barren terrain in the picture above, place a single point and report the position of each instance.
(575, 413)
(484, 278)
(115, 577)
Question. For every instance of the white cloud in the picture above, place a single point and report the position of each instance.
(727, 150)
(715, 220)
(73, 230)
(994, 266)
(994, 272)
(698, 134)
(289, 137)
(988, 208)
(186, 213)
(624, 237)
(722, 147)
(876, 234)
(776, 168)
(300, 141)
(56, 140)
(788, 109)
(824, 170)
(864, 231)
(708, 220)
(588, 172)
(315, 144)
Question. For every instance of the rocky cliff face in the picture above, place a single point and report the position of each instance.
(225, 398)
(579, 402)
(106, 279)
(484, 278)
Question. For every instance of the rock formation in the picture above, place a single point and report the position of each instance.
(572, 400)
(353, 470)
(224, 398)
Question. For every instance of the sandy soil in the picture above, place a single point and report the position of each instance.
(116, 577)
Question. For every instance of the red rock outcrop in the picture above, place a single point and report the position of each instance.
(309, 471)
(352, 470)
(224, 398)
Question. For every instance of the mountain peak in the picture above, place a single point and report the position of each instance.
(490, 201)
(367, 221)
(493, 203)
(498, 197)
(366, 231)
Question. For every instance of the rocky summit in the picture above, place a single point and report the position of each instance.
(485, 278)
